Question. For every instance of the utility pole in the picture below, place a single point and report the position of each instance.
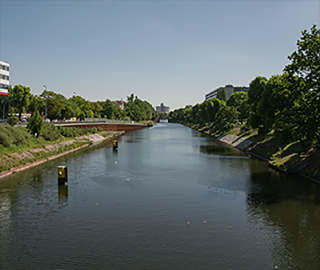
(46, 99)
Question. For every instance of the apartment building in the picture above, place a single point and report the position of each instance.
(4, 85)
(4, 77)
(162, 108)
(230, 89)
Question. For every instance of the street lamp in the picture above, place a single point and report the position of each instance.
(75, 105)
(46, 99)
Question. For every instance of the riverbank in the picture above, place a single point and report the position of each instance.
(288, 159)
(19, 161)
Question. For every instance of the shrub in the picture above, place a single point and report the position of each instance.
(50, 132)
(35, 124)
(12, 120)
(5, 138)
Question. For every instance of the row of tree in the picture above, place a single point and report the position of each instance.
(288, 103)
(57, 106)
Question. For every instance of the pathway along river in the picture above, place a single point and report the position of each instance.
(169, 198)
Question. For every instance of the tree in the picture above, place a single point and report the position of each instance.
(226, 117)
(12, 120)
(275, 99)
(20, 98)
(55, 104)
(35, 123)
(305, 64)
(256, 89)
(108, 109)
(35, 103)
(221, 94)
(239, 100)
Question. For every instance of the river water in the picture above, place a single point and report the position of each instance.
(169, 198)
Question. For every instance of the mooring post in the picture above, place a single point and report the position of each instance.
(115, 144)
(62, 175)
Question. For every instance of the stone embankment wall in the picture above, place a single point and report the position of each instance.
(235, 141)
(29, 154)
(105, 126)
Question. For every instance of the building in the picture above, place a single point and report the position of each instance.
(162, 108)
(4, 85)
(119, 103)
(230, 89)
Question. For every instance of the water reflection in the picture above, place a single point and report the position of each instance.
(169, 198)
(63, 193)
(218, 148)
(288, 211)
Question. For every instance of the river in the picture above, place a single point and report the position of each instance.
(169, 198)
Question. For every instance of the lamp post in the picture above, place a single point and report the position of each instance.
(46, 100)
(75, 105)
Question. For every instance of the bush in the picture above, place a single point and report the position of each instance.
(50, 132)
(12, 120)
(13, 136)
(5, 138)
(35, 124)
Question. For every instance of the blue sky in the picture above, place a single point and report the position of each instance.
(163, 51)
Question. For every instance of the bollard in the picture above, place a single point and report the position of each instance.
(115, 144)
(62, 175)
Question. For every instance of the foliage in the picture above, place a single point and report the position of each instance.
(35, 103)
(305, 64)
(286, 104)
(35, 124)
(239, 100)
(10, 136)
(256, 89)
(20, 98)
(108, 109)
(12, 120)
(221, 94)
(139, 110)
(226, 117)
(50, 132)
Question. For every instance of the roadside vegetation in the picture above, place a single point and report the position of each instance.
(18, 146)
(58, 107)
(280, 114)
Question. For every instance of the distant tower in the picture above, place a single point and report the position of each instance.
(163, 108)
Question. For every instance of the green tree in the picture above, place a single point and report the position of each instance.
(55, 104)
(108, 109)
(221, 94)
(35, 103)
(226, 117)
(239, 100)
(97, 109)
(35, 123)
(305, 64)
(12, 120)
(256, 89)
(20, 98)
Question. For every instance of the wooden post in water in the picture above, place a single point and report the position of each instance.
(62, 175)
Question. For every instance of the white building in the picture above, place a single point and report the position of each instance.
(4, 77)
(162, 108)
(4, 85)
(230, 89)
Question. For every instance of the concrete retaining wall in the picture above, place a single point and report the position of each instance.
(240, 143)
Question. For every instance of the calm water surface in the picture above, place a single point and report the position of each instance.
(169, 198)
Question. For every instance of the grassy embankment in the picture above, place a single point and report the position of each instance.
(18, 147)
(288, 156)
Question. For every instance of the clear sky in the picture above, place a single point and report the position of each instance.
(173, 52)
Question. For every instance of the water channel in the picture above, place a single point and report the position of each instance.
(169, 198)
